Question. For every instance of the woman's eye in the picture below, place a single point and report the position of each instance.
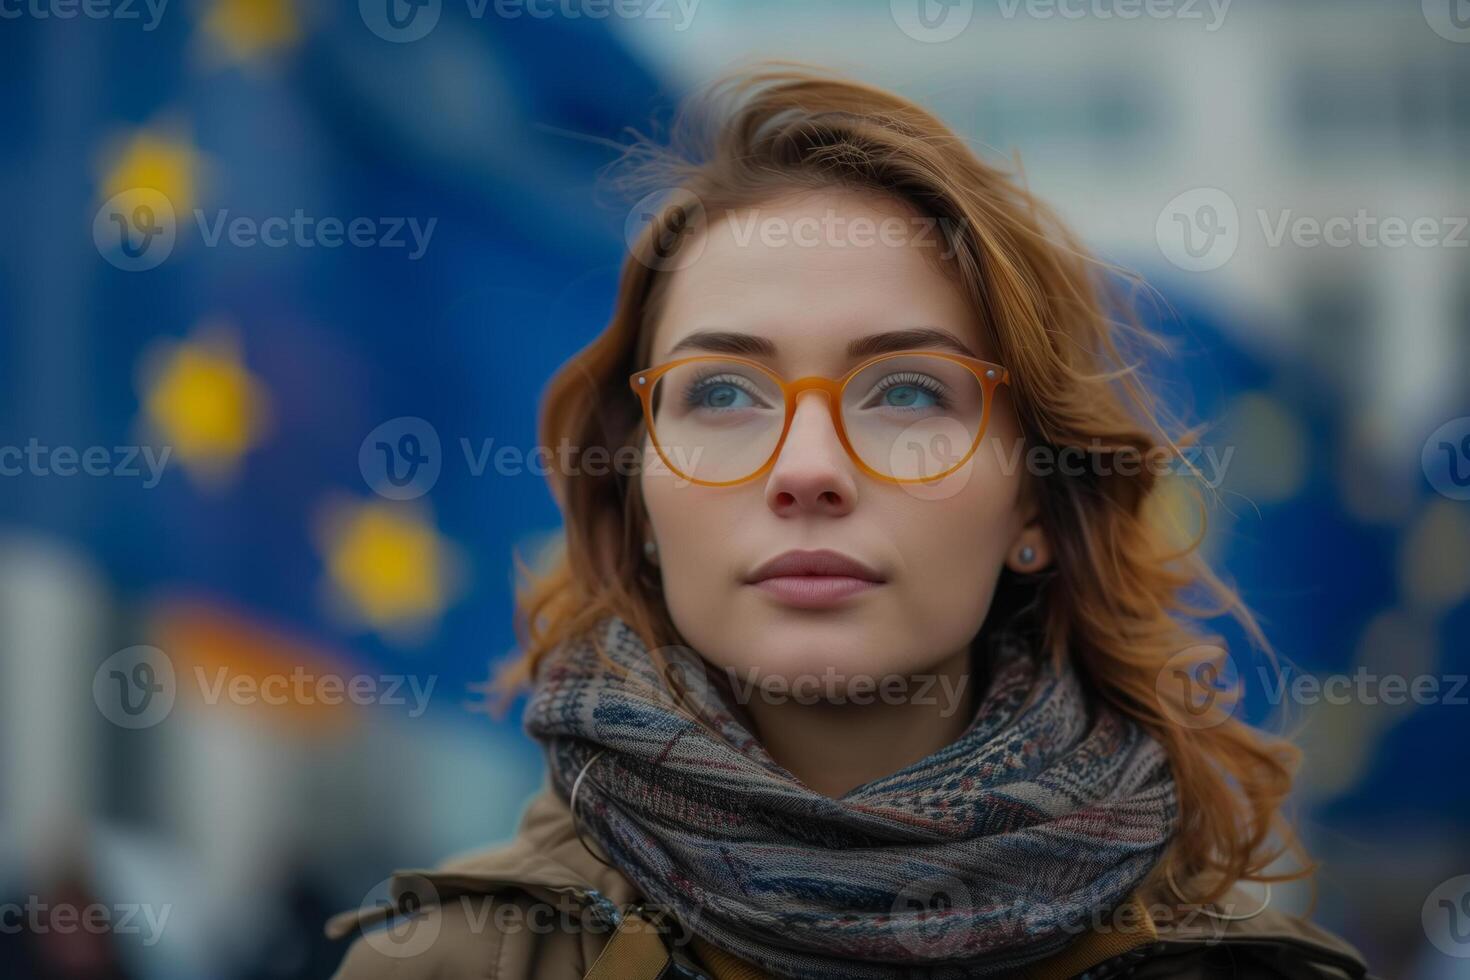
(908, 396)
(720, 395)
(909, 392)
(724, 396)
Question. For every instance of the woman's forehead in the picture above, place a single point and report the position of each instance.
(809, 275)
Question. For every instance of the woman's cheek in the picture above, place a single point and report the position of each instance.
(959, 545)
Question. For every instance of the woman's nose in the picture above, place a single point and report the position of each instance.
(813, 474)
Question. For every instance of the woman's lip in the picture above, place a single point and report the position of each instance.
(814, 591)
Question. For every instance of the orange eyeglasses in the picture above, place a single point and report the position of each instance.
(904, 417)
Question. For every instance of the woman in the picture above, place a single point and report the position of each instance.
(882, 661)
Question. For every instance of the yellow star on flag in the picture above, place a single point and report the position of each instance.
(244, 30)
(386, 565)
(153, 159)
(202, 403)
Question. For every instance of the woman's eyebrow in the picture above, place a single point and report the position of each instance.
(870, 345)
(909, 338)
(725, 342)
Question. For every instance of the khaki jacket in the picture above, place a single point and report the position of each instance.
(535, 909)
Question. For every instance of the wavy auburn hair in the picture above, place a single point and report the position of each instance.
(1127, 589)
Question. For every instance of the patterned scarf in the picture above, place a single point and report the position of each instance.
(987, 855)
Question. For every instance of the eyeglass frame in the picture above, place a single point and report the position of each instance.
(990, 375)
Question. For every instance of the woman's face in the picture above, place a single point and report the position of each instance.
(809, 289)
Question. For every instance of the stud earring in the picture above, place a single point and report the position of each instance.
(650, 549)
(1027, 555)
